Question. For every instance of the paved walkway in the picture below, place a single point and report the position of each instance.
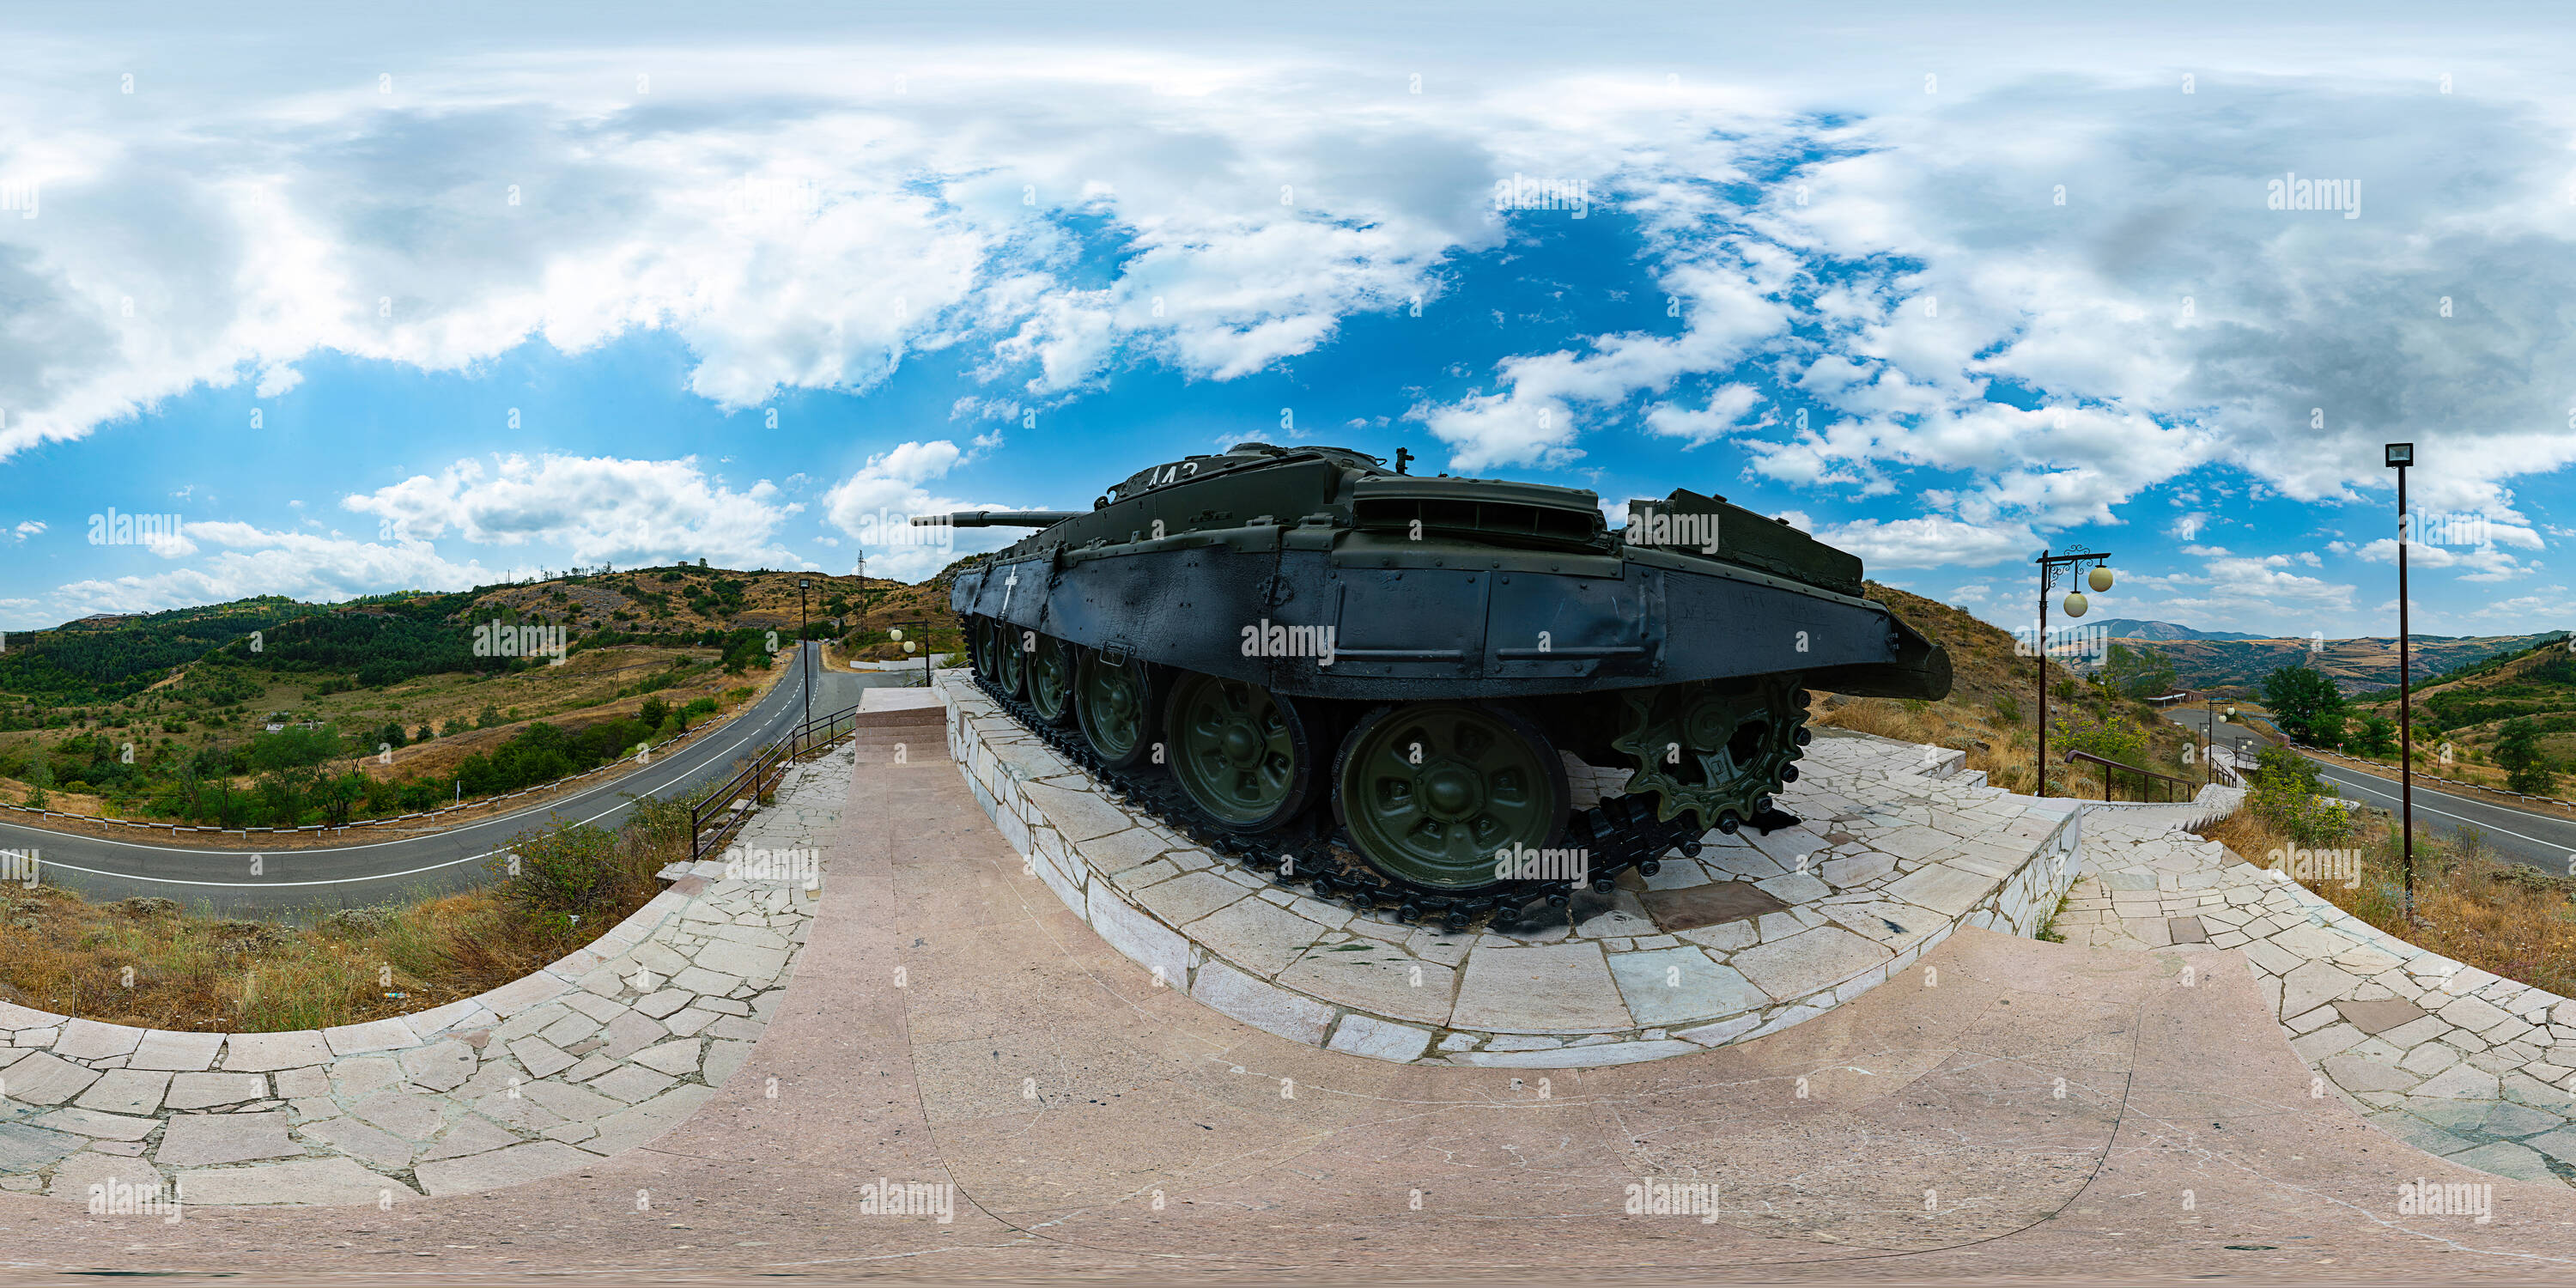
(962, 1081)
(599, 1053)
(2446, 1057)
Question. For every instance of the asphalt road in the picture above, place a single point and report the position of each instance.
(378, 872)
(2545, 841)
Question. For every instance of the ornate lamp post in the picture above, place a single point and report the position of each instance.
(909, 646)
(2401, 455)
(2050, 566)
(2209, 739)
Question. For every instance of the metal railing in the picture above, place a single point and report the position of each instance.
(2166, 782)
(715, 817)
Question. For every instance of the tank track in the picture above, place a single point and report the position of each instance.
(1618, 834)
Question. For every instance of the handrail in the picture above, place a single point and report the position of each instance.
(714, 818)
(2188, 788)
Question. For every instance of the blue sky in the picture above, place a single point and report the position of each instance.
(376, 302)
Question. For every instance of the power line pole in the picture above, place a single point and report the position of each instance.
(2401, 455)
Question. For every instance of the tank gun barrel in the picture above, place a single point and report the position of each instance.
(996, 519)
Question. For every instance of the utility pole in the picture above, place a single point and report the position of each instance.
(2049, 568)
(2401, 455)
(804, 655)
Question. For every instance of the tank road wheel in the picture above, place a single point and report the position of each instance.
(1242, 754)
(1011, 647)
(987, 658)
(1115, 704)
(1051, 680)
(1431, 791)
(1716, 749)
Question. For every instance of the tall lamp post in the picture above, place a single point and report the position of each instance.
(2209, 740)
(2050, 566)
(804, 653)
(923, 647)
(2401, 455)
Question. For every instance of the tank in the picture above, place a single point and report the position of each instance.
(1399, 689)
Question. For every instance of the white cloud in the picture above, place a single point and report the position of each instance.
(253, 561)
(26, 528)
(876, 504)
(595, 508)
(1930, 542)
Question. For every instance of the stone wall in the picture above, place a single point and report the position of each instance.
(1901, 849)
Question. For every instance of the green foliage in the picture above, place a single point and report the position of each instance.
(2138, 672)
(2288, 794)
(2527, 769)
(560, 869)
(2008, 707)
(2117, 739)
(2306, 705)
(85, 665)
(2376, 737)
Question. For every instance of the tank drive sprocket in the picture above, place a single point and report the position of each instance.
(1715, 749)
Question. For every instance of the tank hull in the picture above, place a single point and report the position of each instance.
(1412, 626)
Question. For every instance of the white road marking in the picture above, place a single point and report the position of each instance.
(2344, 782)
(382, 876)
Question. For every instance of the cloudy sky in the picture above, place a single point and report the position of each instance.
(374, 301)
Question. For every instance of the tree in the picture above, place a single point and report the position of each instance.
(2378, 736)
(2138, 672)
(2306, 705)
(2517, 749)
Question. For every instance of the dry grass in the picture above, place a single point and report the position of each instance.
(2514, 921)
(192, 970)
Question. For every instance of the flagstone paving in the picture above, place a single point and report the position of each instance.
(2448, 1058)
(599, 1053)
(1900, 849)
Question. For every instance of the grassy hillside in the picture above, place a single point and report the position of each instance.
(2468, 707)
(2355, 665)
(389, 701)
(1992, 710)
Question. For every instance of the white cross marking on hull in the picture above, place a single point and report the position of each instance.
(1009, 585)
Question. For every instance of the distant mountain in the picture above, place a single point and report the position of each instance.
(2355, 665)
(2130, 628)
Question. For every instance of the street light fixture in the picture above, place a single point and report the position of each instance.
(896, 634)
(2399, 456)
(2209, 739)
(2050, 566)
